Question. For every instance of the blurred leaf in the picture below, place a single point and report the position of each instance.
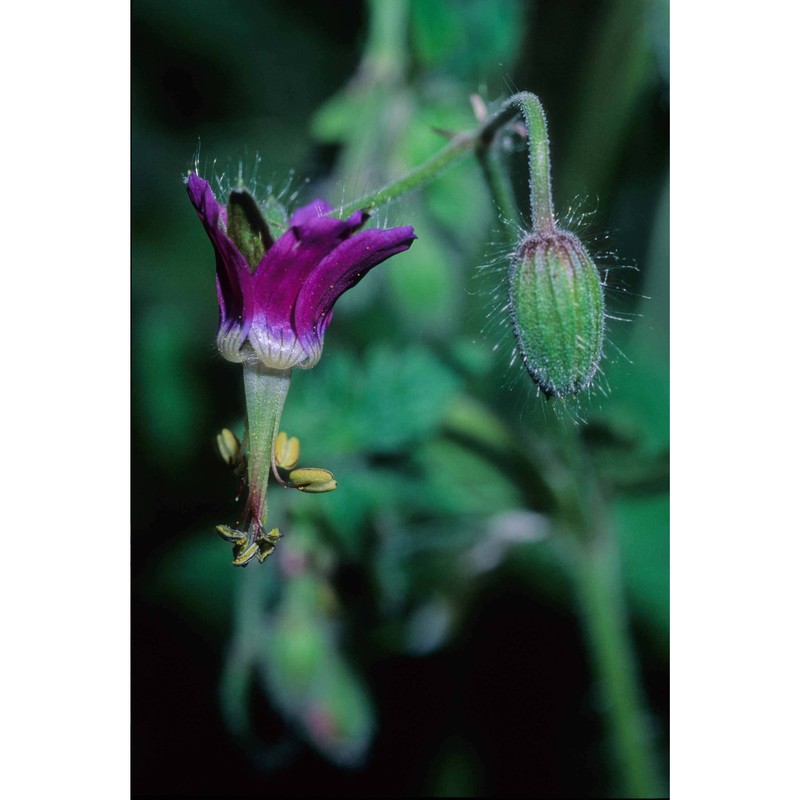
(622, 463)
(639, 400)
(178, 269)
(426, 287)
(170, 399)
(618, 70)
(340, 719)
(363, 492)
(396, 397)
(405, 395)
(469, 37)
(460, 482)
(307, 678)
(336, 119)
(429, 625)
(460, 203)
(296, 648)
(449, 110)
(472, 356)
(469, 417)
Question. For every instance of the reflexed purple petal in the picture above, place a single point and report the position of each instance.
(287, 265)
(234, 282)
(203, 199)
(340, 271)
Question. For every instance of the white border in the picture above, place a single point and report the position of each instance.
(734, 357)
(64, 576)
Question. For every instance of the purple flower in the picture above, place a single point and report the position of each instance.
(276, 296)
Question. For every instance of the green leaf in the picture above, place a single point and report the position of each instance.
(397, 397)
(426, 289)
(470, 38)
(459, 481)
(309, 681)
(170, 400)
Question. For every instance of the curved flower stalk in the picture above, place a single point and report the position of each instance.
(276, 296)
(555, 291)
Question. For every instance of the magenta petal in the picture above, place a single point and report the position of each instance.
(340, 271)
(287, 265)
(319, 209)
(234, 282)
(312, 222)
(314, 210)
(279, 311)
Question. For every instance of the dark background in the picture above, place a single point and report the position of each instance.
(500, 698)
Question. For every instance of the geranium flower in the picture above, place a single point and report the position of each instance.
(276, 298)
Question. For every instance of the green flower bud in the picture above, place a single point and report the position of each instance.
(557, 311)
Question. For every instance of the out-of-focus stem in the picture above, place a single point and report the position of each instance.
(500, 188)
(385, 52)
(597, 576)
(458, 147)
(529, 105)
(595, 567)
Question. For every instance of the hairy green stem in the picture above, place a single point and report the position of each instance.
(458, 147)
(480, 142)
(529, 105)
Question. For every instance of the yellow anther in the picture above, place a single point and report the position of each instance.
(266, 544)
(287, 451)
(231, 534)
(264, 552)
(313, 480)
(243, 555)
(272, 537)
(228, 446)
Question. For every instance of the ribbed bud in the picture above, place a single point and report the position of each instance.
(557, 312)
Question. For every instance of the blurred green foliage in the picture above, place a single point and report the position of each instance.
(448, 487)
